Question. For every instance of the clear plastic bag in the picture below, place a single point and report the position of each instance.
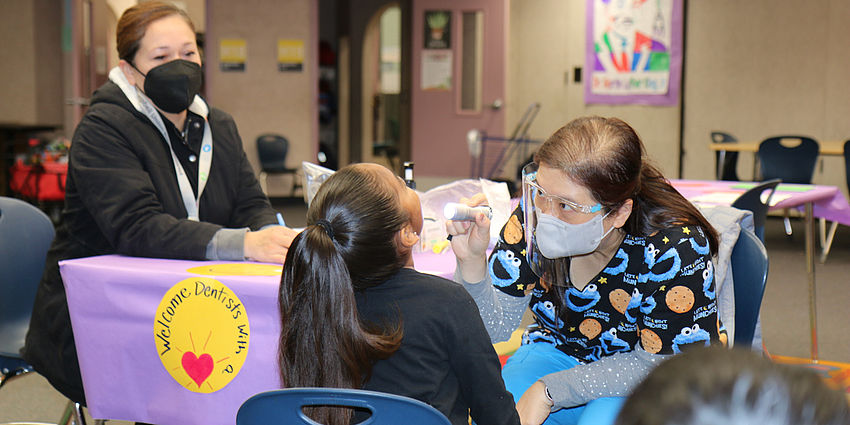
(434, 230)
(314, 176)
(433, 201)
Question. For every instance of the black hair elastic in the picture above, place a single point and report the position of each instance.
(326, 225)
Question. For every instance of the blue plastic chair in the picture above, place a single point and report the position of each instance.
(790, 164)
(25, 236)
(285, 407)
(751, 201)
(727, 162)
(749, 272)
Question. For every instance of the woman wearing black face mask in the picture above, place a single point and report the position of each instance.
(154, 172)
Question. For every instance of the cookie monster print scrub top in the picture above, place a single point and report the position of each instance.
(657, 291)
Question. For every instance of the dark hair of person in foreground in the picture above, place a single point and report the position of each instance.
(720, 386)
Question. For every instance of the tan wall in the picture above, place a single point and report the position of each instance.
(261, 99)
(30, 63)
(761, 68)
(547, 41)
(755, 69)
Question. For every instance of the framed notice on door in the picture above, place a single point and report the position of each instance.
(437, 70)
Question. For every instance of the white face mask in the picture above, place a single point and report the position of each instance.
(557, 238)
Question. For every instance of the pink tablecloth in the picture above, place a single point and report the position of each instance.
(828, 201)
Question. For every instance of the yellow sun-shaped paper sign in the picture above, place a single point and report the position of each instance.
(201, 333)
(238, 269)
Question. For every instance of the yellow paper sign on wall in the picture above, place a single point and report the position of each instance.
(202, 333)
(232, 54)
(290, 55)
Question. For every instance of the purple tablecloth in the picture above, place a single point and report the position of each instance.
(828, 201)
(113, 301)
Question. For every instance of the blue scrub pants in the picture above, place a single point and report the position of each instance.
(533, 361)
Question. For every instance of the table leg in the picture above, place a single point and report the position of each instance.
(756, 168)
(810, 269)
(721, 158)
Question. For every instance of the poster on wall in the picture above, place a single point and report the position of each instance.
(438, 29)
(290, 55)
(232, 53)
(633, 52)
(437, 70)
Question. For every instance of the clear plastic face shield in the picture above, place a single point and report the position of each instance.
(550, 238)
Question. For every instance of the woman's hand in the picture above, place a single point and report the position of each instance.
(470, 240)
(534, 406)
(268, 245)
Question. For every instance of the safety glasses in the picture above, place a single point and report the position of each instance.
(553, 203)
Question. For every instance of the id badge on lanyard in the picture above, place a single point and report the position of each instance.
(191, 202)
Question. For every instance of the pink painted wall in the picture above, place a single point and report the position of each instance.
(438, 130)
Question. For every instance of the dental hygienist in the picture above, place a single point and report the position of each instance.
(613, 262)
(154, 171)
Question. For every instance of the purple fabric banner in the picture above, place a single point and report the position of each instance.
(113, 301)
(129, 315)
(633, 52)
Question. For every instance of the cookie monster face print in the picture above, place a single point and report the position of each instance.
(691, 337)
(611, 343)
(699, 249)
(634, 306)
(580, 301)
(647, 305)
(504, 268)
(545, 311)
(620, 268)
(594, 354)
(708, 280)
(662, 268)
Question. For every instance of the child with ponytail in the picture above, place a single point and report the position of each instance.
(355, 314)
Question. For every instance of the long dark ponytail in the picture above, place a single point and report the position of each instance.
(348, 245)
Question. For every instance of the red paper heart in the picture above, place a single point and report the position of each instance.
(198, 368)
